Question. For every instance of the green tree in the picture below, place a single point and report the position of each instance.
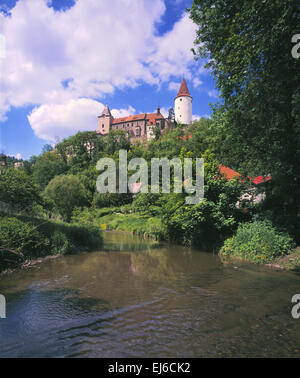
(248, 48)
(116, 140)
(18, 190)
(46, 167)
(67, 192)
(80, 150)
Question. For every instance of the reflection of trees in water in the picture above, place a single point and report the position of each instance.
(171, 263)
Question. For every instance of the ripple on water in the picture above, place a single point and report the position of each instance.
(167, 301)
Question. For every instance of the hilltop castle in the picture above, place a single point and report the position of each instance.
(141, 126)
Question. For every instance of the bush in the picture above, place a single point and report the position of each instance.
(259, 242)
(60, 244)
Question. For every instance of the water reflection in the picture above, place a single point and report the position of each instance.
(140, 299)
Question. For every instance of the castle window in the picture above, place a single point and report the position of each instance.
(181, 99)
(138, 131)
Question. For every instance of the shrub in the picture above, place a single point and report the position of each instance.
(257, 241)
(60, 244)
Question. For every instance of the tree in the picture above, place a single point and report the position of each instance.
(47, 148)
(248, 47)
(80, 150)
(46, 167)
(67, 192)
(18, 190)
(117, 140)
(171, 115)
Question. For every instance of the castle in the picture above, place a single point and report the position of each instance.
(141, 126)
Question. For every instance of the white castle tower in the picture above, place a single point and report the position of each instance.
(183, 105)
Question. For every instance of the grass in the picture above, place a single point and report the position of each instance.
(123, 220)
(290, 262)
(136, 223)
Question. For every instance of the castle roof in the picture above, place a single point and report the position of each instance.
(153, 117)
(183, 90)
(150, 117)
(106, 112)
(137, 117)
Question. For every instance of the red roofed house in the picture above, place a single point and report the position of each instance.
(254, 194)
(141, 126)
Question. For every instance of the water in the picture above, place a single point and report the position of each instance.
(135, 299)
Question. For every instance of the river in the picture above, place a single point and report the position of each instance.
(139, 299)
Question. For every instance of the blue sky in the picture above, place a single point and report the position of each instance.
(64, 60)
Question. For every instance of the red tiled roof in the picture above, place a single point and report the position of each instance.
(151, 117)
(260, 179)
(183, 90)
(230, 174)
(137, 117)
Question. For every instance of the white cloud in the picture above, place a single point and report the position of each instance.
(17, 156)
(172, 54)
(119, 113)
(174, 86)
(97, 46)
(197, 117)
(61, 120)
(197, 82)
(213, 93)
(56, 121)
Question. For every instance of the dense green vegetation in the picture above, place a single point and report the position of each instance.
(247, 45)
(25, 238)
(258, 242)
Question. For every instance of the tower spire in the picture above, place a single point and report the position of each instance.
(183, 90)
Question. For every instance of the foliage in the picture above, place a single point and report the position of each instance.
(23, 238)
(258, 242)
(18, 190)
(102, 200)
(80, 150)
(258, 124)
(67, 192)
(136, 223)
(115, 141)
(46, 167)
(147, 203)
(207, 224)
(19, 240)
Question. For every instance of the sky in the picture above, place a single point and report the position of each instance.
(61, 61)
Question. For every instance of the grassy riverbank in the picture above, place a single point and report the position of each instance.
(25, 238)
(122, 219)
